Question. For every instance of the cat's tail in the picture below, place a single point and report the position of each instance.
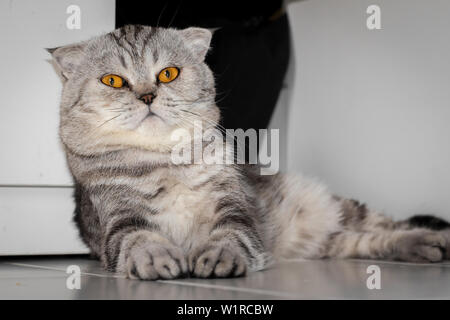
(428, 221)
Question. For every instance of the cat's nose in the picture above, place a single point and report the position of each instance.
(147, 98)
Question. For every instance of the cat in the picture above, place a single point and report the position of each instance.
(123, 95)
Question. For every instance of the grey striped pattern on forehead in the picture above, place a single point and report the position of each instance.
(135, 40)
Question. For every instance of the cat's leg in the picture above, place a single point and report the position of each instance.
(432, 223)
(369, 234)
(134, 246)
(233, 245)
(415, 245)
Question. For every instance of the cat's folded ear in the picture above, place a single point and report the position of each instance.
(67, 59)
(198, 40)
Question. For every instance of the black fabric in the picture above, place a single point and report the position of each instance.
(201, 13)
(249, 54)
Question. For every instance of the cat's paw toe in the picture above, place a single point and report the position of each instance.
(217, 261)
(429, 253)
(424, 246)
(446, 234)
(156, 262)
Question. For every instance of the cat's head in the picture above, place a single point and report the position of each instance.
(133, 87)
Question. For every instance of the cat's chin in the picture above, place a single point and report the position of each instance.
(152, 122)
(152, 132)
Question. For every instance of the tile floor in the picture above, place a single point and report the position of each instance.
(45, 278)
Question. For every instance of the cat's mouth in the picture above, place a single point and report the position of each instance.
(152, 114)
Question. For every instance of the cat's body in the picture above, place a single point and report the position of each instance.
(148, 218)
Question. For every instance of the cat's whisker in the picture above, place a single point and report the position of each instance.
(219, 126)
(109, 120)
(175, 14)
(216, 126)
(160, 15)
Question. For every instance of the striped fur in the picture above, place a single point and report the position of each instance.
(147, 218)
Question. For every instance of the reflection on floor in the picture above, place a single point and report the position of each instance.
(46, 278)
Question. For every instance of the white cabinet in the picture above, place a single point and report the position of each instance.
(32, 165)
(37, 221)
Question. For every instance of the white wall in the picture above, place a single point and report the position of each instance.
(370, 110)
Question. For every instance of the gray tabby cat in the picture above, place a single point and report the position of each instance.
(123, 95)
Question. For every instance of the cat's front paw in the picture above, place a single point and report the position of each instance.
(421, 246)
(218, 261)
(155, 261)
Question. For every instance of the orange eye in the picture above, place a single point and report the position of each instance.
(113, 81)
(168, 74)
